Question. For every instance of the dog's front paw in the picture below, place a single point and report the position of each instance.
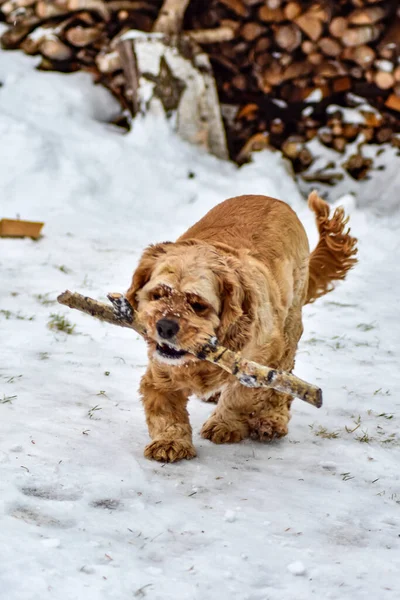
(268, 429)
(166, 450)
(223, 432)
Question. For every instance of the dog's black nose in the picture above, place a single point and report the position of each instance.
(167, 329)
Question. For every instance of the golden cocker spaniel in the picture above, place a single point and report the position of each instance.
(242, 274)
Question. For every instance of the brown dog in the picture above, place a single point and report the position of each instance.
(242, 274)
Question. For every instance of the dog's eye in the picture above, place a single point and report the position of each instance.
(155, 296)
(198, 307)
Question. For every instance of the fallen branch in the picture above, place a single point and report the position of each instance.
(249, 373)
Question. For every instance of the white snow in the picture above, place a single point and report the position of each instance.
(230, 516)
(83, 514)
(297, 568)
(314, 96)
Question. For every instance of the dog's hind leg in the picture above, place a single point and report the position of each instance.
(230, 422)
(260, 413)
(273, 419)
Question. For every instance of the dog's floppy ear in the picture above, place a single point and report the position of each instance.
(144, 269)
(236, 302)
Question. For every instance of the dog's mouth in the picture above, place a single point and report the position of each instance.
(168, 352)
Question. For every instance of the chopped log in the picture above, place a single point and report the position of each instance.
(328, 68)
(371, 119)
(46, 9)
(339, 144)
(277, 126)
(384, 80)
(292, 10)
(83, 36)
(256, 143)
(362, 55)
(287, 37)
(308, 46)
(236, 6)
(367, 16)
(341, 84)
(322, 10)
(389, 46)
(108, 62)
(315, 58)
(248, 112)
(350, 131)
(384, 135)
(362, 3)
(338, 26)
(293, 146)
(310, 25)
(273, 74)
(330, 46)
(325, 136)
(131, 5)
(239, 82)
(393, 102)
(11, 6)
(395, 141)
(11, 38)
(270, 15)
(297, 70)
(305, 158)
(54, 49)
(211, 36)
(357, 166)
(251, 31)
(361, 35)
(248, 373)
(261, 45)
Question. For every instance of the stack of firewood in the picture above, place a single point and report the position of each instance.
(281, 66)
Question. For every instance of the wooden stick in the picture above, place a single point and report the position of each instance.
(249, 373)
(211, 36)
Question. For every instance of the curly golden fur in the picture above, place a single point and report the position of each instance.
(242, 273)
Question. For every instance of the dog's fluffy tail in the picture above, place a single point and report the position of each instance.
(335, 252)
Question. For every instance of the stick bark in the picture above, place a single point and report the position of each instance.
(249, 373)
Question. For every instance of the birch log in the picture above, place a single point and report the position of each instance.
(248, 373)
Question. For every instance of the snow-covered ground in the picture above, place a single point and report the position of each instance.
(83, 516)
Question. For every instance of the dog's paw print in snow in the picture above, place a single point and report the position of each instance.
(40, 515)
(106, 503)
(36, 517)
(51, 493)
